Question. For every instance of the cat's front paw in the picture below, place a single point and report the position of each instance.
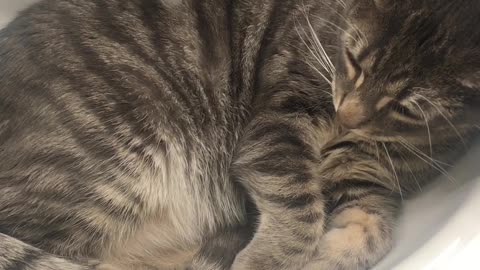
(342, 248)
(357, 240)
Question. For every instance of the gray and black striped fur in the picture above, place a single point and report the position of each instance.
(134, 134)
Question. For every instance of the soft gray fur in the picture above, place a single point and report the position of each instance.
(151, 134)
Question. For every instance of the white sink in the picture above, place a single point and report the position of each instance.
(9, 8)
(438, 230)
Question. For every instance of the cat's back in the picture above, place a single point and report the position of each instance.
(142, 68)
(114, 112)
(173, 52)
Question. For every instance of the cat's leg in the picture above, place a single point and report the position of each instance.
(359, 231)
(290, 180)
(219, 250)
(275, 163)
(363, 201)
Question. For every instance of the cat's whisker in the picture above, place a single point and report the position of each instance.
(312, 66)
(411, 172)
(363, 39)
(362, 36)
(427, 125)
(323, 53)
(325, 56)
(394, 170)
(316, 52)
(424, 158)
(322, 63)
(320, 49)
(342, 3)
(444, 116)
(323, 76)
(315, 56)
(320, 73)
(423, 154)
(378, 151)
(432, 165)
(378, 159)
(339, 28)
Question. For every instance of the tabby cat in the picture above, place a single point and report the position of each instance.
(226, 134)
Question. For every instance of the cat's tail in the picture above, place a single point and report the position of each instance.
(15, 254)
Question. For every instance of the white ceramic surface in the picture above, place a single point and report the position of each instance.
(9, 8)
(438, 230)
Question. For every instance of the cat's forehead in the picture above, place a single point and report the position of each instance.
(411, 18)
(414, 34)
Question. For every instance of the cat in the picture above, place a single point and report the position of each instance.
(226, 134)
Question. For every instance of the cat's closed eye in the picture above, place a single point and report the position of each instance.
(404, 111)
(352, 67)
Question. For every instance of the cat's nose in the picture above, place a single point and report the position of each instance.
(352, 112)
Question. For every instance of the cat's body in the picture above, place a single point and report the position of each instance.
(118, 128)
(132, 133)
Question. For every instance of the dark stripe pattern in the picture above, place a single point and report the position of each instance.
(159, 121)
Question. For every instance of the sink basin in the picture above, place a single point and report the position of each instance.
(438, 230)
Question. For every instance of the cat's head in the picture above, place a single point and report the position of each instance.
(409, 68)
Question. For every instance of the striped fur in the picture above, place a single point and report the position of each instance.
(135, 134)
(118, 129)
(19, 255)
